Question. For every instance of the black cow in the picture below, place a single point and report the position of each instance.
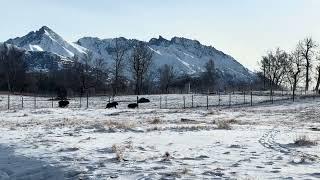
(63, 103)
(133, 106)
(143, 100)
(111, 105)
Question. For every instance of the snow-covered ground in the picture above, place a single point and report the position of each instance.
(153, 143)
(170, 101)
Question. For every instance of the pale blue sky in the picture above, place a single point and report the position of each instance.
(245, 29)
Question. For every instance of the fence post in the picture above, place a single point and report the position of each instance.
(251, 98)
(192, 101)
(52, 102)
(22, 102)
(8, 101)
(35, 101)
(160, 101)
(229, 99)
(109, 99)
(219, 98)
(207, 102)
(87, 100)
(166, 102)
(138, 101)
(184, 102)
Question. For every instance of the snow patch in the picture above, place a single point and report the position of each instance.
(188, 55)
(79, 48)
(187, 65)
(156, 51)
(35, 48)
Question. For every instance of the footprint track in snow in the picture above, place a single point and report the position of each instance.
(268, 141)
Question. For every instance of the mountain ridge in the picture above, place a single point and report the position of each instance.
(186, 55)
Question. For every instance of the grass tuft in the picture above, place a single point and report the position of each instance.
(223, 125)
(304, 141)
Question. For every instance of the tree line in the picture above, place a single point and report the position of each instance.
(298, 68)
(131, 71)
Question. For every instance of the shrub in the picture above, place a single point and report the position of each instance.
(223, 125)
(155, 121)
(166, 156)
(304, 141)
(118, 150)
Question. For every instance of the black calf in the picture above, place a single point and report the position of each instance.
(133, 105)
(63, 104)
(111, 105)
(143, 100)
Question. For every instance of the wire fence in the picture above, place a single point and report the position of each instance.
(170, 101)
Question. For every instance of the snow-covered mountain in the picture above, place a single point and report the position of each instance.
(187, 56)
(47, 40)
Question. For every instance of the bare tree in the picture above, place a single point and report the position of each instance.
(274, 66)
(307, 51)
(166, 77)
(84, 70)
(209, 76)
(318, 73)
(12, 66)
(140, 62)
(118, 51)
(318, 78)
(100, 72)
(295, 67)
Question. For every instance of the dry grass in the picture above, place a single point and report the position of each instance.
(304, 141)
(223, 125)
(119, 125)
(119, 151)
(155, 121)
(185, 171)
(182, 128)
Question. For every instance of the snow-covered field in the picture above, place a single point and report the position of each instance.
(170, 101)
(240, 142)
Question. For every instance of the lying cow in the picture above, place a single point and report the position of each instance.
(133, 106)
(143, 100)
(111, 105)
(63, 103)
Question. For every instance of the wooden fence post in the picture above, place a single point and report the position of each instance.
(160, 101)
(8, 101)
(22, 102)
(35, 102)
(207, 102)
(219, 96)
(87, 100)
(251, 99)
(184, 102)
(192, 101)
(166, 99)
(229, 99)
(52, 102)
(138, 101)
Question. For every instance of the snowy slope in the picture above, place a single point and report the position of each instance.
(187, 56)
(47, 40)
